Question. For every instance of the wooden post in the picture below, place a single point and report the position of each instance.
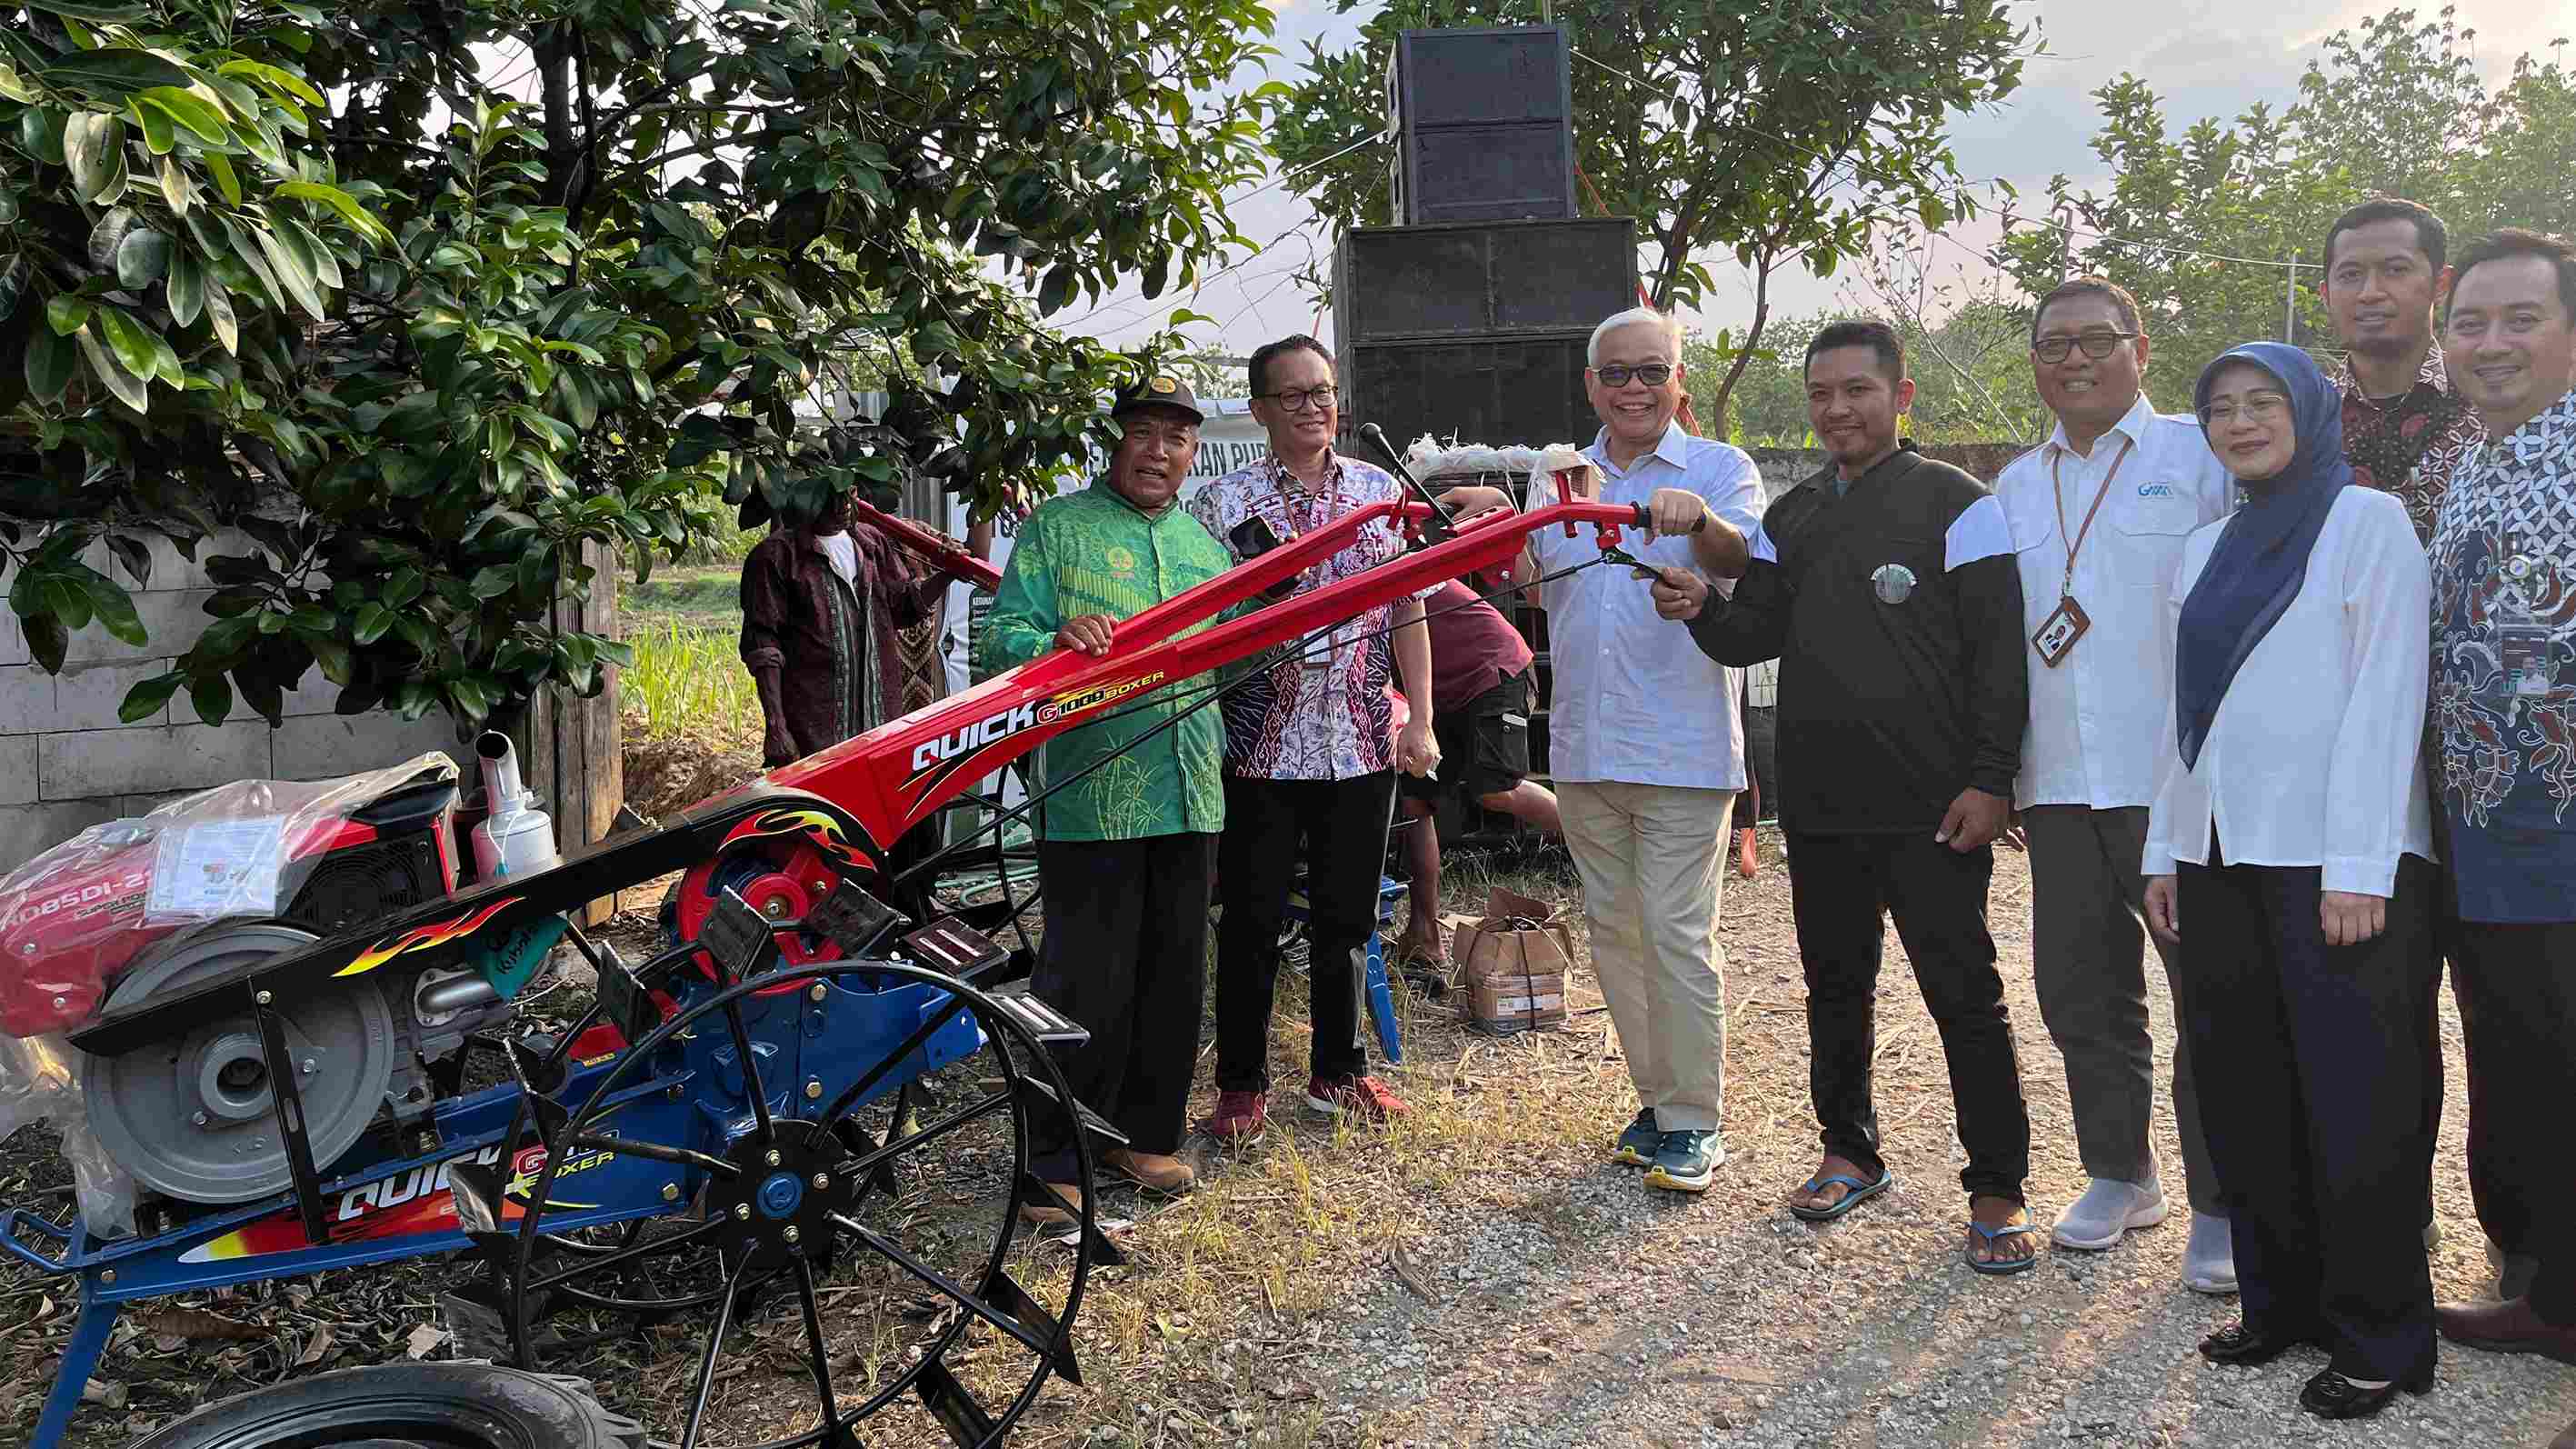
(572, 756)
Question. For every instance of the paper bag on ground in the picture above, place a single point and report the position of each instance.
(1513, 963)
(1516, 936)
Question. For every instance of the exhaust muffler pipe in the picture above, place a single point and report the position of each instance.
(517, 838)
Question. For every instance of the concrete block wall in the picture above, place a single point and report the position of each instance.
(67, 762)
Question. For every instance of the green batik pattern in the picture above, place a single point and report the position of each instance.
(1093, 553)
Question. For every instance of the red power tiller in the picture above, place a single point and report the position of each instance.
(722, 1127)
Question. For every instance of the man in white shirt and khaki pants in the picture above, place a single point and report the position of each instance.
(2099, 514)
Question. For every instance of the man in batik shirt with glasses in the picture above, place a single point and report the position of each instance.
(1311, 752)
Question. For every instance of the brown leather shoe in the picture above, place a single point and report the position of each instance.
(1047, 1214)
(1158, 1170)
(2508, 1327)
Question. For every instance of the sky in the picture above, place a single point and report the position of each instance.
(2204, 58)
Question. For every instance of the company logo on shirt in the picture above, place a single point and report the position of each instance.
(2156, 490)
(1122, 561)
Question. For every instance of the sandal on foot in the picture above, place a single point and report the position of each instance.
(2002, 1266)
(1859, 1191)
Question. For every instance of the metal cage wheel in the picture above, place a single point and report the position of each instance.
(780, 1205)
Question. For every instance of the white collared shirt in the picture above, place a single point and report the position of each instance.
(2311, 759)
(1632, 700)
(2098, 715)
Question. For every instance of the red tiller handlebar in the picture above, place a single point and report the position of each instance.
(937, 549)
(897, 775)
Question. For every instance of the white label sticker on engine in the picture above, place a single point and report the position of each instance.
(218, 868)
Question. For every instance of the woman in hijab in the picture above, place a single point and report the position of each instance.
(2290, 839)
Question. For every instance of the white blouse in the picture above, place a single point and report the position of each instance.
(2311, 760)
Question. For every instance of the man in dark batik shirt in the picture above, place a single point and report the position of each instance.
(821, 604)
(2404, 429)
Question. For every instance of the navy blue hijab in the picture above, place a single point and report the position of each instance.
(2261, 557)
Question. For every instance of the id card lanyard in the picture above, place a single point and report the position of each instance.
(2058, 632)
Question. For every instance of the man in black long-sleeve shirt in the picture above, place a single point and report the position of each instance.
(1886, 587)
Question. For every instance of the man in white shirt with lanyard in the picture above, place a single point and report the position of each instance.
(2099, 514)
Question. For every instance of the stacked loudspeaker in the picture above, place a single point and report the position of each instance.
(1468, 319)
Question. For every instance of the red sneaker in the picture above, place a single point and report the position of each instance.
(1239, 1118)
(1363, 1099)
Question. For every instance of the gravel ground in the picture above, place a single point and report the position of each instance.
(1600, 1314)
(1479, 1276)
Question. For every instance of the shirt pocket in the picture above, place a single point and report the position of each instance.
(2147, 532)
(2038, 555)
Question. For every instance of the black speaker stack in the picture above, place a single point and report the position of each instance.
(1468, 319)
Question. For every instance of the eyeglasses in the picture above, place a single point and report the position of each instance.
(1653, 374)
(1320, 398)
(2096, 345)
(2262, 407)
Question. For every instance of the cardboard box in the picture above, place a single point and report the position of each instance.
(1517, 936)
(1510, 1003)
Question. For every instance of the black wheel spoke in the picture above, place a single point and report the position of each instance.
(632, 1253)
(814, 1341)
(945, 1284)
(751, 1073)
(715, 1349)
(857, 1091)
(933, 1132)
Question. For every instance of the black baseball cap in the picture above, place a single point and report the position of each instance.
(1161, 390)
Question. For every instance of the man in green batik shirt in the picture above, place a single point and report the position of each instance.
(1126, 853)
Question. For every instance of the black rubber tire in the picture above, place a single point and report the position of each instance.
(462, 1405)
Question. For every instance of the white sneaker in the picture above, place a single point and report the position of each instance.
(2106, 1211)
(2209, 1261)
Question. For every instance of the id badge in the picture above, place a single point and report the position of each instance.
(2059, 631)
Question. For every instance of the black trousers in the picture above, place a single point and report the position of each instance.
(1839, 885)
(1343, 824)
(1125, 955)
(2517, 991)
(2312, 1069)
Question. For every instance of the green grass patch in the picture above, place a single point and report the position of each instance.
(688, 678)
(701, 594)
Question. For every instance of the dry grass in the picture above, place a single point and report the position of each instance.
(668, 773)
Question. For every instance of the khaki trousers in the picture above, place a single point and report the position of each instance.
(1651, 858)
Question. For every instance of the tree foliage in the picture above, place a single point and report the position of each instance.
(2201, 225)
(1971, 369)
(1778, 131)
(325, 277)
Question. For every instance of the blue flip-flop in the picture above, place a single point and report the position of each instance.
(2008, 1265)
(1860, 1191)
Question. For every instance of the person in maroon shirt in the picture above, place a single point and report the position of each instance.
(822, 602)
(1481, 697)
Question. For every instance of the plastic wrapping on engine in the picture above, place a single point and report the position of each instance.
(38, 1084)
(75, 917)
